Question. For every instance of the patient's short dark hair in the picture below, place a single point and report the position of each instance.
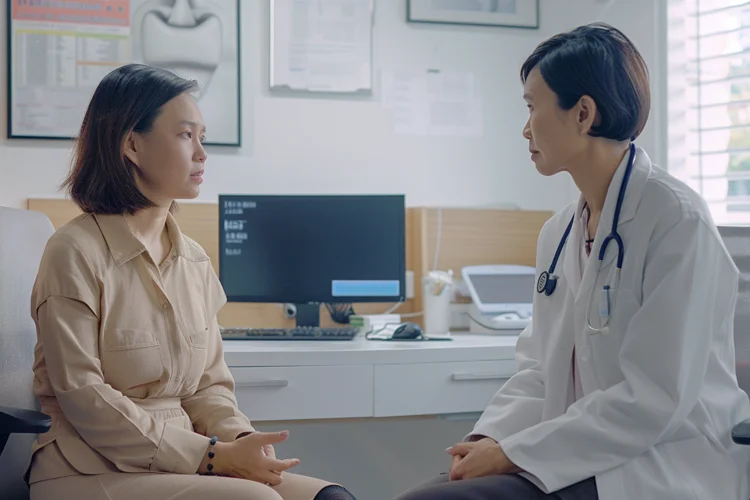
(130, 98)
(599, 61)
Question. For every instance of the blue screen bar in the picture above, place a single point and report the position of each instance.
(365, 288)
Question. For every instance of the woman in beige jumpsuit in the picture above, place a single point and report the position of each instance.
(129, 361)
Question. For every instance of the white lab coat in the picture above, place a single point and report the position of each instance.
(661, 395)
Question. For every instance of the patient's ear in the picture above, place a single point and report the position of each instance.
(130, 148)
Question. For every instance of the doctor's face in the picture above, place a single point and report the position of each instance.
(553, 133)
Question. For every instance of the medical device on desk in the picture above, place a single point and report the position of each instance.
(501, 296)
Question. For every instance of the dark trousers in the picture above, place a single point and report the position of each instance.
(505, 487)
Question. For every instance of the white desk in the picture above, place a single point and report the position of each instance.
(375, 416)
(302, 380)
(463, 347)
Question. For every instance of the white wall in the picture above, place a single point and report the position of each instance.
(326, 145)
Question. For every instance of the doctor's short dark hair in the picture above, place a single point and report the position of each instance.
(599, 61)
(102, 179)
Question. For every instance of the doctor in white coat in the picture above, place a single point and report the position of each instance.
(626, 387)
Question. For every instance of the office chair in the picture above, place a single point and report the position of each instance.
(737, 241)
(23, 236)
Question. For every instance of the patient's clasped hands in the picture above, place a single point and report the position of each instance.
(251, 457)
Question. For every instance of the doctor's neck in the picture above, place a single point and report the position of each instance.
(593, 170)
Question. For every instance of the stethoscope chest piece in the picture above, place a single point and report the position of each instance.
(546, 283)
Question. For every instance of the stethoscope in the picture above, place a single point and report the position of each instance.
(548, 279)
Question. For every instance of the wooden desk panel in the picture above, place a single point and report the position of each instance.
(466, 237)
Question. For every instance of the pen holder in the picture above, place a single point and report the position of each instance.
(437, 293)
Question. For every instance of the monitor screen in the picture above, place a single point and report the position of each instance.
(504, 288)
(312, 249)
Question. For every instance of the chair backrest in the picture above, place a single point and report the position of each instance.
(737, 241)
(23, 236)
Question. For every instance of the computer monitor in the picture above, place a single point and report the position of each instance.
(311, 250)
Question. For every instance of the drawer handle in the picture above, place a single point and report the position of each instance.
(263, 383)
(462, 377)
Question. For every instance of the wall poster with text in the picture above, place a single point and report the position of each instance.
(59, 50)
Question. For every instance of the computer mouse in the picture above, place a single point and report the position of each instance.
(407, 331)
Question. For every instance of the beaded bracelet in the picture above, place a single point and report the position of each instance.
(211, 455)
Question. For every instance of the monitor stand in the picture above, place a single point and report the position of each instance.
(308, 315)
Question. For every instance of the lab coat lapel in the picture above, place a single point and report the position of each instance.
(638, 177)
(571, 259)
(561, 391)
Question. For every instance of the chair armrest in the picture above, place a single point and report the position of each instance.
(19, 421)
(741, 433)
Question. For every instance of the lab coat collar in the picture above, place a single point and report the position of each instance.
(638, 177)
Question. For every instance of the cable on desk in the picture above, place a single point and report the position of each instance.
(412, 315)
(340, 312)
(493, 328)
(393, 307)
(438, 239)
(436, 260)
(375, 332)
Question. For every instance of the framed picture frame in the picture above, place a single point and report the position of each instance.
(58, 52)
(500, 13)
(313, 56)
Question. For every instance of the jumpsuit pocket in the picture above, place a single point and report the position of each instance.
(131, 358)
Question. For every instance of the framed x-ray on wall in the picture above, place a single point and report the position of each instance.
(58, 52)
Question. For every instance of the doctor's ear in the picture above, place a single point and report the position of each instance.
(130, 148)
(587, 114)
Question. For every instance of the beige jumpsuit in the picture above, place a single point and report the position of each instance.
(130, 366)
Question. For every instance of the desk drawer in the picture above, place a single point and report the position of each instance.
(437, 388)
(304, 392)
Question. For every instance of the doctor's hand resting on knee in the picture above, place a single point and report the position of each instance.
(129, 360)
(479, 459)
(626, 385)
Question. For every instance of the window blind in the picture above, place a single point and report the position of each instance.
(708, 79)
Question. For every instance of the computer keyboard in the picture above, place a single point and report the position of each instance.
(296, 333)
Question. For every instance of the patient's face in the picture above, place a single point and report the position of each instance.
(170, 157)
